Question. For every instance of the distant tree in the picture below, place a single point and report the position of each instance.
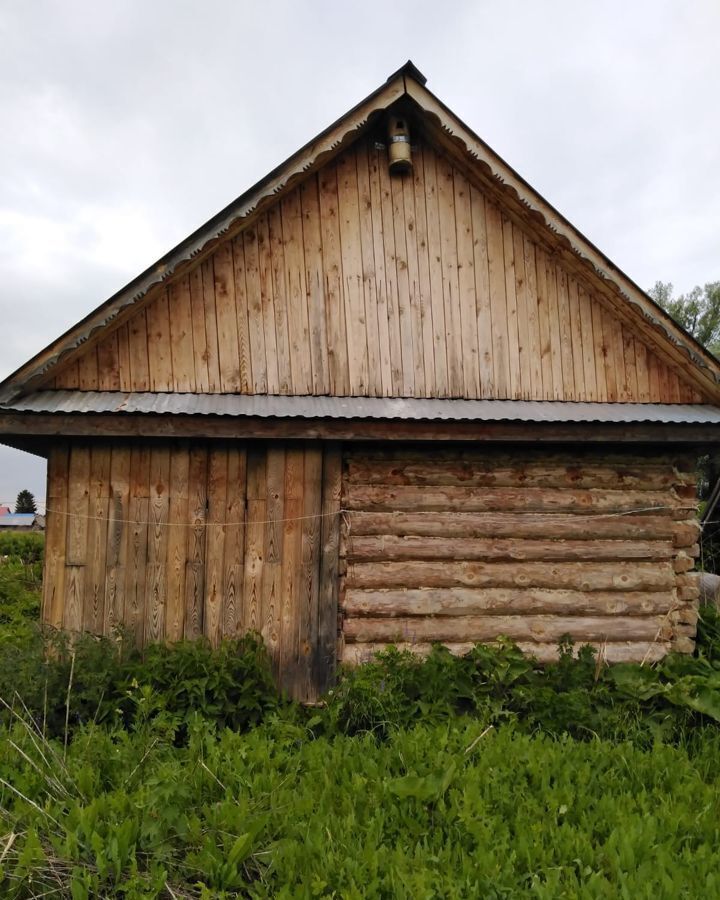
(698, 311)
(25, 503)
(699, 314)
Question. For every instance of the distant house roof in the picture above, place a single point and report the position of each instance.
(5, 510)
(21, 520)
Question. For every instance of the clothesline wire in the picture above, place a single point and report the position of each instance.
(202, 522)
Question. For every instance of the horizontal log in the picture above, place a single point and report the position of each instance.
(542, 629)
(527, 499)
(486, 472)
(628, 651)
(639, 576)
(684, 464)
(688, 593)
(389, 547)
(686, 533)
(509, 525)
(470, 601)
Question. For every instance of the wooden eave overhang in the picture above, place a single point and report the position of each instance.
(407, 85)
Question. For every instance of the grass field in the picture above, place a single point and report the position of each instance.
(180, 773)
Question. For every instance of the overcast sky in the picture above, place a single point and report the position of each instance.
(125, 125)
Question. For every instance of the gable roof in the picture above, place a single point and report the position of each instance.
(405, 86)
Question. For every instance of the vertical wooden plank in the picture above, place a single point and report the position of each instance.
(280, 298)
(334, 297)
(496, 274)
(403, 287)
(108, 363)
(255, 538)
(437, 304)
(139, 362)
(369, 277)
(77, 537)
(388, 252)
(686, 394)
(380, 277)
(559, 386)
(196, 538)
(200, 343)
(653, 378)
(68, 377)
(663, 381)
(290, 593)
(211, 326)
(55, 535)
(272, 567)
(117, 540)
(516, 363)
(242, 308)
(177, 539)
(226, 310)
(215, 544)
(94, 600)
(414, 292)
(623, 392)
(311, 528)
(641, 368)
(466, 285)
(267, 301)
(232, 611)
(156, 575)
(566, 335)
(159, 344)
(424, 288)
(315, 281)
(588, 345)
(576, 338)
(611, 372)
(631, 383)
(543, 303)
(124, 379)
(137, 537)
(88, 370)
(527, 387)
(254, 312)
(482, 294)
(325, 651)
(181, 336)
(533, 318)
(600, 351)
(296, 294)
(451, 289)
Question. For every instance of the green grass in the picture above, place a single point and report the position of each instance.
(180, 773)
(446, 811)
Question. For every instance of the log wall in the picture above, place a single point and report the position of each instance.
(359, 284)
(180, 541)
(465, 546)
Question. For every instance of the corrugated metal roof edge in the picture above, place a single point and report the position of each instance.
(389, 408)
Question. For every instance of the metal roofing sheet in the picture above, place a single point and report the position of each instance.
(255, 405)
(17, 520)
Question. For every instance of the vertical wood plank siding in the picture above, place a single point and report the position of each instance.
(466, 546)
(175, 541)
(358, 283)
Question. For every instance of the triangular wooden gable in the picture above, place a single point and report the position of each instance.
(440, 283)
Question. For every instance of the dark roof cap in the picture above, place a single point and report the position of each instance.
(411, 70)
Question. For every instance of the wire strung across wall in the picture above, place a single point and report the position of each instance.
(202, 522)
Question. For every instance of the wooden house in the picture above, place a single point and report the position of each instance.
(387, 395)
